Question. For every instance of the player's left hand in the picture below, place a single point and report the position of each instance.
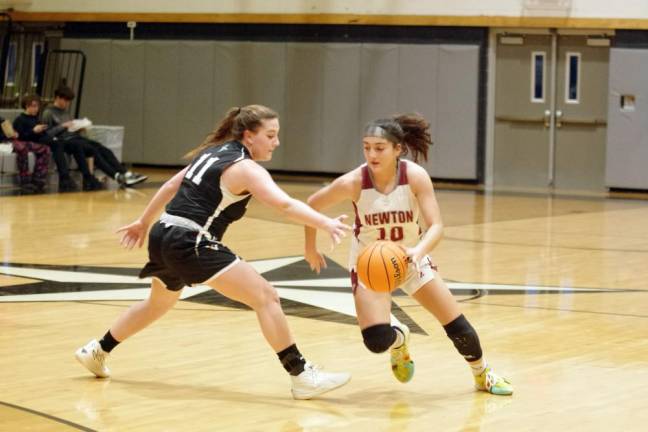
(414, 255)
(133, 234)
(315, 260)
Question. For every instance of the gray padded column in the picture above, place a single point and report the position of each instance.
(127, 98)
(195, 99)
(161, 95)
(627, 130)
(304, 93)
(417, 86)
(455, 148)
(340, 108)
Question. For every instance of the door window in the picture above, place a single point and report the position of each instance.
(572, 78)
(538, 73)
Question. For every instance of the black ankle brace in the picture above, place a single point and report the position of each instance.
(292, 360)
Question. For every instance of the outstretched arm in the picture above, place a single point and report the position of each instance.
(249, 176)
(339, 190)
(134, 233)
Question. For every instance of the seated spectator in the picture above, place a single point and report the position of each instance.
(59, 121)
(31, 129)
(37, 182)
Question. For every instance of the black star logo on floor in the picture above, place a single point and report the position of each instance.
(304, 294)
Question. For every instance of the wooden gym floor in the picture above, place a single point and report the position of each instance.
(555, 286)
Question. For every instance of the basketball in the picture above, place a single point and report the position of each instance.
(382, 266)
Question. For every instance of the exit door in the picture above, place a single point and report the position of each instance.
(550, 112)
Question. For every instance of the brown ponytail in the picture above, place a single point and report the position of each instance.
(416, 137)
(411, 130)
(231, 127)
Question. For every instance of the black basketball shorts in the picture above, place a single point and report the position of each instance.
(175, 259)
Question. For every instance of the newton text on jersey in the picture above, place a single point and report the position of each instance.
(390, 217)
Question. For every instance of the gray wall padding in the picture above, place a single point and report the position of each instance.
(456, 103)
(162, 86)
(194, 112)
(169, 94)
(303, 115)
(340, 141)
(126, 101)
(627, 131)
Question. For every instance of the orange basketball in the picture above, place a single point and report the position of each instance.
(382, 266)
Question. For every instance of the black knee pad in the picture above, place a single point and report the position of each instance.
(378, 338)
(464, 337)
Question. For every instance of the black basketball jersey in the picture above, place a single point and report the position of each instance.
(202, 198)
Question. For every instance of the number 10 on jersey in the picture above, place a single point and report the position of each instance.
(395, 233)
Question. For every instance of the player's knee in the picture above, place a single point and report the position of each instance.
(378, 338)
(267, 297)
(464, 337)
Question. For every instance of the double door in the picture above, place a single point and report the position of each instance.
(550, 111)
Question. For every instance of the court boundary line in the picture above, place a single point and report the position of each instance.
(49, 417)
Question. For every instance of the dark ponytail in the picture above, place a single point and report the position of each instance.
(411, 130)
(233, 125)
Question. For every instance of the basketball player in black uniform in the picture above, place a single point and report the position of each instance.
(185, 245)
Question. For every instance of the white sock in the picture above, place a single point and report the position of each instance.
(400, 338)
(478, 367)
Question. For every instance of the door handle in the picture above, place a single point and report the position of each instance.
(559, 115)
(547, 118)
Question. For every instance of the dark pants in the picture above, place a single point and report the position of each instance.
(42, 153)
(59, 149)
(104, 158)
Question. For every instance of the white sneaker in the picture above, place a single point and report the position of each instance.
(314, 382)
(93, 358)
(132, 178)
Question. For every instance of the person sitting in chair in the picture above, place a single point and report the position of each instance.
(61, 127)
(30, 128)
(29, 184)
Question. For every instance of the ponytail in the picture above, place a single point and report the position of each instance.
(410, 130)
(416, 131)
(233, 125)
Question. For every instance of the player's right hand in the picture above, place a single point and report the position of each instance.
(133, 234)
(337, 229)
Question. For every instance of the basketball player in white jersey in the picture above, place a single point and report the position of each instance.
(394, 200)
(185, 245)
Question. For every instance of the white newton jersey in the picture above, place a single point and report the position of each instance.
(393, 216)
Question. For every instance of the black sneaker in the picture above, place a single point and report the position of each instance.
(39, 185)
(92, 184)
(67, 185)
(27, 189)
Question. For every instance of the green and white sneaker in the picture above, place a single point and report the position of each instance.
(401, 364)
(490, 382)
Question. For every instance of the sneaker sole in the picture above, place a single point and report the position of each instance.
(410, 373)
(307, 396)
(81, 360)
(134, 182)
